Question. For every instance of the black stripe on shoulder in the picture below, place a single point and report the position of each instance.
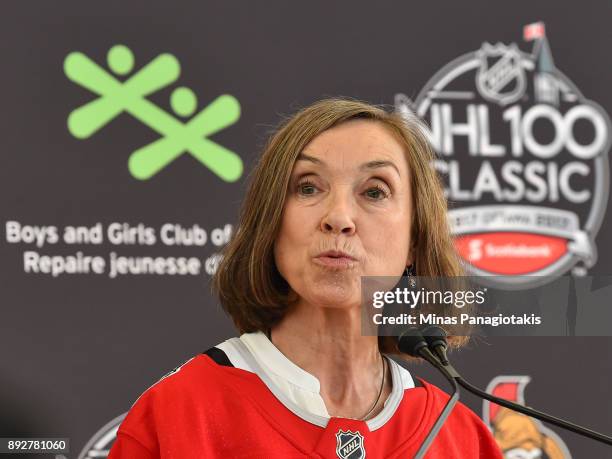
(218, 356)
(417, 382)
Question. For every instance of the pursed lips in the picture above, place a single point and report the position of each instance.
(335, 258)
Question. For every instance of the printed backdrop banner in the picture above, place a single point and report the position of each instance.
(128, 130)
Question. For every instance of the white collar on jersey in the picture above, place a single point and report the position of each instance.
(273, 360)
(254, 352)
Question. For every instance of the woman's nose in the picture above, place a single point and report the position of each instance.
(338, 217)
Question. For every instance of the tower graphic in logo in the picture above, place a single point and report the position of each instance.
(524, 159)
(129, 95)
(518, 435)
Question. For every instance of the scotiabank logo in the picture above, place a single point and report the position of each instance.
(524, 156)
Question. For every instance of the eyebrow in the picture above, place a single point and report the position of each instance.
(370, 165)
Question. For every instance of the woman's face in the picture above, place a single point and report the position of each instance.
(349, 192)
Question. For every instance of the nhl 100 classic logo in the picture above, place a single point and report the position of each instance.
(523, 155)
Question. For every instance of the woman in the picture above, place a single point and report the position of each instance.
(342, 190)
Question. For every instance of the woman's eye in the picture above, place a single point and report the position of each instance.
(377, 193)
(306, 188)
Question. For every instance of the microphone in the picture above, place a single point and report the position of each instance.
(436, 340)
(412, 342)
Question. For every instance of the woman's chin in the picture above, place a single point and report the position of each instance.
(339, 289)
(337, 297)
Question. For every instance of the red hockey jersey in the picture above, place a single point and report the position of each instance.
(209, 408)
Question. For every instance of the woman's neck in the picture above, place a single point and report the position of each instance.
(327, 343)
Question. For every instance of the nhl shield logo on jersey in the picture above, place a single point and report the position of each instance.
(519, 436)
(349, 445)
(524, 159)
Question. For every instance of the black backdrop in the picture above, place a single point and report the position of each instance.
(77, 349)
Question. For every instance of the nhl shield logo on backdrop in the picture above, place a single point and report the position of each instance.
(500, 77)
(524, 159)
(349, 445)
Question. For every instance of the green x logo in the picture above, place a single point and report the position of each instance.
(116, 97)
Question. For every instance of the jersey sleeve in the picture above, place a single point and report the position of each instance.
(127, 447)
(136, 437)
(169, 415)
(486, 444)
(463, 434)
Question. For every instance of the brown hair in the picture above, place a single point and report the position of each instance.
(248, 284)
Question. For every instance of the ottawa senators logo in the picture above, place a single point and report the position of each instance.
(519, 436)
(524, 157)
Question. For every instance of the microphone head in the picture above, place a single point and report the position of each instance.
(410, 341)
(434, 336)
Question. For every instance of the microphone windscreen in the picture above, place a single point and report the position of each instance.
(411, 341)
(434, 335)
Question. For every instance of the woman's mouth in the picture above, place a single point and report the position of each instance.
(336, 262)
